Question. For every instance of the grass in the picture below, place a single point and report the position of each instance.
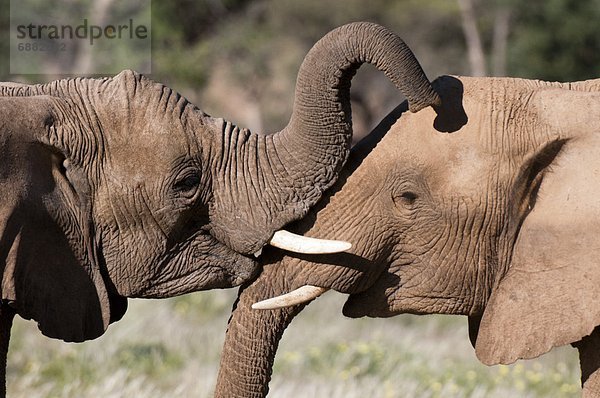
(172, 348)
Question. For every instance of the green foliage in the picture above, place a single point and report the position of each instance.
(553, 40)
(63, 369)
(437, 370)
(183, 37)
(340, 361)
(557, 40)
(200, 306)
(190, 21)
(172, 348)
(149, 358)
(355, 359)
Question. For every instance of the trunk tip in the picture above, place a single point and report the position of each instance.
(433, 100)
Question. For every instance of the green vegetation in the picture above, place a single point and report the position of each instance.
(172, 348)
(417, 356)
(562, 42)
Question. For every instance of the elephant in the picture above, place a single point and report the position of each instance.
(116, 188)
(485, 206)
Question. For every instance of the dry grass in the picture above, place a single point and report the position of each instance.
(172, 347)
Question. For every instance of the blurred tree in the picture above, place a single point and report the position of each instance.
(501, 30)
(487, 27)
(472, 38)
(556, 40)
(182, 33)
(548, 40)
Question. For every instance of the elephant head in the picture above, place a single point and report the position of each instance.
(486, 206)
(119, 187)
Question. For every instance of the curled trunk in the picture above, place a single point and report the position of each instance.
(292, 168)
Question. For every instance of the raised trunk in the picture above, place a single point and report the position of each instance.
(285, 174)
(314, 145)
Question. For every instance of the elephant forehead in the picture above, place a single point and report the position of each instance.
(466, 168)
(142, 155)
(454, 160)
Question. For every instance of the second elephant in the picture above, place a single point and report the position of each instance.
(486, 207)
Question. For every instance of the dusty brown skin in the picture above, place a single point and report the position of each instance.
(119, 187)
(486, 207)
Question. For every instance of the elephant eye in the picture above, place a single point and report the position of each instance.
(188, 183)
(406, 198)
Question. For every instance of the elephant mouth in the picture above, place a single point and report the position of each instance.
(376, 301)
(204, 263)
(201, 263)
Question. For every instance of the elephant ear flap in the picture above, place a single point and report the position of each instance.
(549, 295)
(46, 283)
(47, 274)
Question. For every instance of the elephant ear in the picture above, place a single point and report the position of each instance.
(49, 274)
(549, 295)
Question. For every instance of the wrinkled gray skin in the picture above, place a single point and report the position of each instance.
(119, 187)
(486, 207)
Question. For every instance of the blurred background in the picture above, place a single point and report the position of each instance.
(238, 59)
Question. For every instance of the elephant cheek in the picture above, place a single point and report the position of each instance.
(204, 264)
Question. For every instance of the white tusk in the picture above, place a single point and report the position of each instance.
(303, 244)
(301, 295)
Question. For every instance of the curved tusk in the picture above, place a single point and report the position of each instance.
(301, 295)
(303, 244)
